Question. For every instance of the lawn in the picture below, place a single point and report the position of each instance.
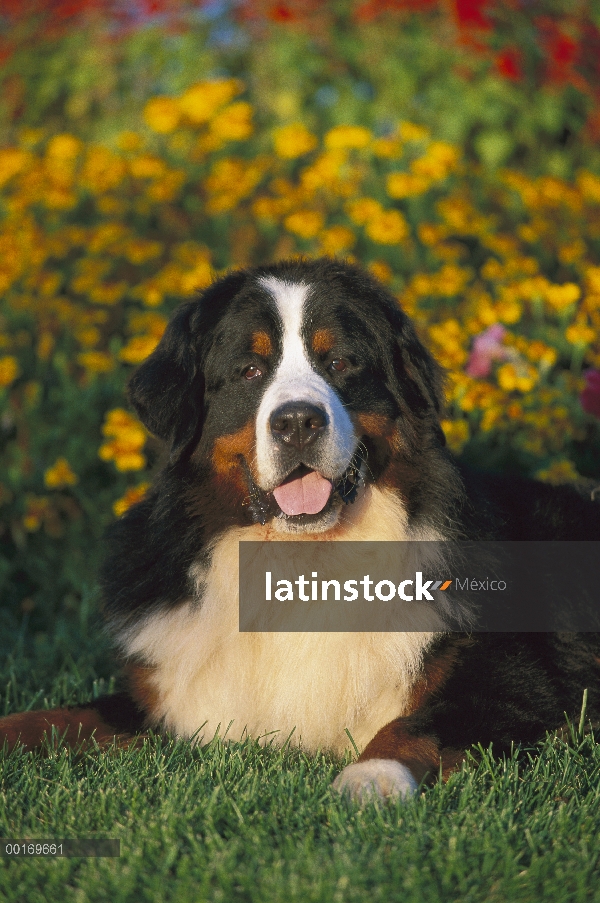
(236, 821)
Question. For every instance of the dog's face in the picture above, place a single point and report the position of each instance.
(289, 387)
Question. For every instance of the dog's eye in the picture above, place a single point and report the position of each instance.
(338, 365)
(252, 372)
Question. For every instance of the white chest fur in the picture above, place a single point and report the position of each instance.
(210, 677)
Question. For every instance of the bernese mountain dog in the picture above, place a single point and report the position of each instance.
(296, 402)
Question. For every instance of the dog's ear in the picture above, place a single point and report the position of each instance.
(167, 390)
(418, 379)
(413, 359)
(413, 375)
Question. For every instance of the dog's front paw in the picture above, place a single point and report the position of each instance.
(376, 779)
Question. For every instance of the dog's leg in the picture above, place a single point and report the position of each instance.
(103, 720)
(395, 762)
(501, 687)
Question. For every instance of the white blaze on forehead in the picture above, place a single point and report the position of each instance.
(295, 380)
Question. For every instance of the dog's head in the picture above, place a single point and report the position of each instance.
(290, 386)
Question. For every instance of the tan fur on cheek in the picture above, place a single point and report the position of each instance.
(227, 453)
(323, 341)
(227, 450)
(261, 344)
(377, 425)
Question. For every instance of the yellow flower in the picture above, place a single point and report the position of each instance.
(592, 275)
(388, 147)
(12, 161)
(381, 270)
(60, 475)
(508, 310)
(117, 420)
(9, 370)
(124, 459)
(430, 234)
(305, 223)
(439, 161)
(326, 172)
(36, 509)
(388, 228)
(539, 351)
(150, 292)
(138, 348)
(363, 209)
(580, 333)
(147, 167)
(129, 141)
(88, 337)
(562, 296)
(336, 239)
(128, 438)
(166, 188)
(409, 131)
(96, 361)
(140, 250)
(404, 185)
(64, 147)
(456, 432)
(230, 181)
(451, 280)
(234, 123)
(589, 186)
(347, 136)
(45, 346)
(293, 140)
(520, 377)
(152, 323)
(131, 497)
(108, 293)
(162, 114)
(200, 102)
(558, 472)
(572, 251)
(102, 170)
(490, 419)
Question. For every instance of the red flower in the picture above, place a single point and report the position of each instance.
(590, 397)
(471, 13)
(508, 64)
(563, 50)
(281, 13)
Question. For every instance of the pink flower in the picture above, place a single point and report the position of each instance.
(487, 347)
(590, 397)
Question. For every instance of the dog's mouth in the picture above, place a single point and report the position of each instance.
(304, 491)
(304, 495)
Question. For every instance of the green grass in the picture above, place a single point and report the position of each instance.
(238, 822)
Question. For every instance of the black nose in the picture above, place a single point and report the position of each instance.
(298, 424)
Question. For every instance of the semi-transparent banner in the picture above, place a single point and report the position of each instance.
(419, 586)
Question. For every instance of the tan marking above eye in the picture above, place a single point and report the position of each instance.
(323, 341)
(261, 344)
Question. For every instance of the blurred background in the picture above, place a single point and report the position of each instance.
(450, 146)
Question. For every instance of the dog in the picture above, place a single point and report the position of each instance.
(296, 402)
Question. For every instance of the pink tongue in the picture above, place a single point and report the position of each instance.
(307, 494)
